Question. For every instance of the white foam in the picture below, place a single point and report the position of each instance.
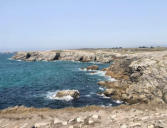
(95, 62)
(52, 96)
(88, 95)
(109, 78)
(109, 105)
(84, 69)
(19, 60)
(99, 73)
(100, 88)
(102, 73)
(118, 101)
(102, 95)
(10, 58)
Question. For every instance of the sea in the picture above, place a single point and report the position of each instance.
(34, 84)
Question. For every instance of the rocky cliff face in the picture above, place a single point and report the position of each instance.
(73, 55)
(140, 78)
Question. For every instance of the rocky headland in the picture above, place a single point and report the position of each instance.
(140, 82)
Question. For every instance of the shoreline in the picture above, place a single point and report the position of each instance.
(141, 82)
(138, 73)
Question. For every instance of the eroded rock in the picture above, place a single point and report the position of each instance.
(73, 93)
(92, 67)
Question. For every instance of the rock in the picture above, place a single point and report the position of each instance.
(92, 67)
(57, 121)
(151, 126)
(89, 121)
(71, 126)
(92, 72)
(92, 119)
(73, 55)
(76, 120)
(113, 116)
(123, 126)
(64, 123)
(95, 116)
(42, 124)
(73, 93)
(109, 92)
(135, 124)
(79, 120)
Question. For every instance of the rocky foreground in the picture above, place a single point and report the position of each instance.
(141, 82)
(134, 116)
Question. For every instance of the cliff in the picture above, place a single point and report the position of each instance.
(141, 78)
(73, 55)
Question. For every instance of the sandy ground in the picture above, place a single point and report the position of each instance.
(134, 116)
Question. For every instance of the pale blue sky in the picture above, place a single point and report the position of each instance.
(64, 24)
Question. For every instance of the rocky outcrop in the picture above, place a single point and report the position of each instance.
(93, 67)
(72, 55)
(37, 56)
(140, 79)
(73, 93)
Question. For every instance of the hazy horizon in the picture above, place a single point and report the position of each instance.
(73, 24)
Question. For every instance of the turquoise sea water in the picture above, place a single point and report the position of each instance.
(34, 83)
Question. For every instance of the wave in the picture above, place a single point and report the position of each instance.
(83, 69)
(95, 72)
(10, 58)
(102, 95)
(109, 78)
(19, 60)
(93, 62)
(102, 73)
(88, 95)
(102, 89)
(52, 96)
(118, 101)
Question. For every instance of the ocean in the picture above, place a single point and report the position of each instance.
(33, 84)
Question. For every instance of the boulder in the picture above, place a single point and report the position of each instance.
(42, 124)
(92, 67)
(73, 93)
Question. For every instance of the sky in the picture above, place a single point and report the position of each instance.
(71, 24)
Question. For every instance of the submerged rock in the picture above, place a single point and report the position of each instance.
(92, 67)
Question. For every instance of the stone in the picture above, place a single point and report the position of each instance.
(95, 116)
(89, 121)
(57, 121)
(151, 126)
(92, 67)
(42, 124)
(123, 126)
(73, 93)
(78, 120)
(135, 124)
(109, 92)
(64, 123)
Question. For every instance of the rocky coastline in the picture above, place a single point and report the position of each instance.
(141, 76)
(141, 83)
